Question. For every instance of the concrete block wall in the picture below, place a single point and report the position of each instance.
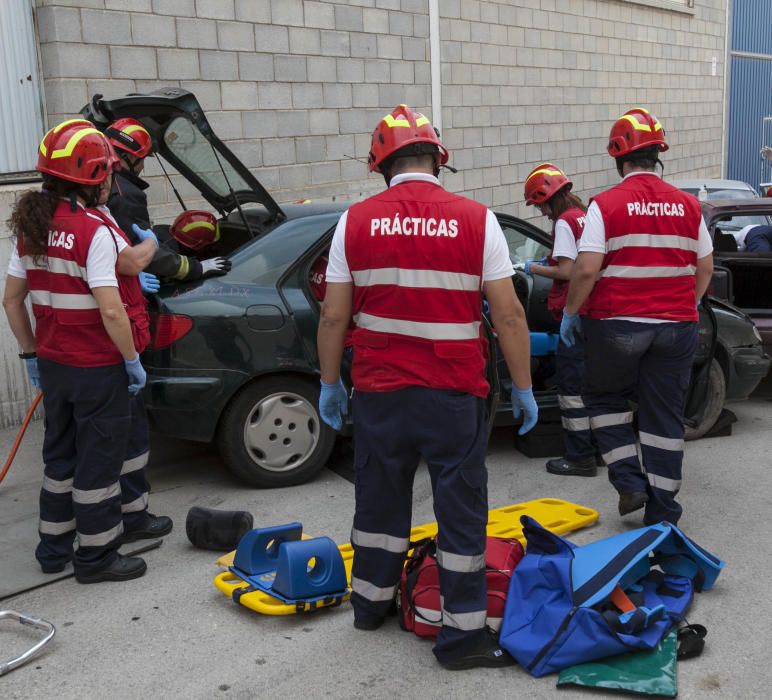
(296, 86)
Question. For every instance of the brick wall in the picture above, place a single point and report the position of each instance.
(296, 86)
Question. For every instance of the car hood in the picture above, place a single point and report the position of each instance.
(183, 136)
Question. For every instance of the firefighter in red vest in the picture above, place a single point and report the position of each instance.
(91, 324)
(548, 188)
(411, 265)
(649, 244)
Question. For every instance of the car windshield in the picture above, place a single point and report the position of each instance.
(522, 248)
(185, 141)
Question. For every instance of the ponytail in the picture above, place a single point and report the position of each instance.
(30, 219)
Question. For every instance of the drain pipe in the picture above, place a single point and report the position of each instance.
(435, 63)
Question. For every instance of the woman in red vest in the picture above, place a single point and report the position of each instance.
(548, 188)
(90, 325)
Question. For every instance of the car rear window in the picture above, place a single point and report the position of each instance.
(265, 259)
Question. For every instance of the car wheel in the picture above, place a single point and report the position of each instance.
(714, 403)
(271, 433)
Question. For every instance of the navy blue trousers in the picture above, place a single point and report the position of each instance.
(392, 432)
(759, 240)
(577, 437)
(134, 485)
(86, 435)
(649, 363)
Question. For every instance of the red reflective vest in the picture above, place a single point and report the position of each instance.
(556, 299)
(652, 229)
(415, 253)
(68, 323)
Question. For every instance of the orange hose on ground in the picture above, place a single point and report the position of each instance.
(20, 435)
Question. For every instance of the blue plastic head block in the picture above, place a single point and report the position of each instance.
(543, 344)
(298, 577)
(258, 550)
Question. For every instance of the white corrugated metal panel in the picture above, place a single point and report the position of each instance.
(16, 394)
(21, 112)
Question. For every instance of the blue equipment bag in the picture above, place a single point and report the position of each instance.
(568, 605)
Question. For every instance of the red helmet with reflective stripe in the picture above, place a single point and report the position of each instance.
(76, 151)
(399, 129)
(544, 181)
(130, 136)
(634, 130)
(195, 229)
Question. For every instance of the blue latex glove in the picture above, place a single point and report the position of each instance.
(149, 282)
(523, 401)
(144, 233)
(137, 375)
(33, 372)
(528, 263)
(333, 403)
(570, 327)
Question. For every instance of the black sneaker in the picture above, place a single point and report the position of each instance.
(630, 502)
(486, 654)
(122, 569)
(565, 467)
(153, 527)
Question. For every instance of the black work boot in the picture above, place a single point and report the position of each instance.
(630, 502)
(122, 569)
(565, 467)
(153, 526)
(486, 653)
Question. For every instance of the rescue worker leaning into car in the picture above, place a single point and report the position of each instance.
(411, 265)
(128, 205)
(548, 188)
(91, 324)
(649, 244)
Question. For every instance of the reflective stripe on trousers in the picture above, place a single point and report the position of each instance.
(577, 438)
(393, 431)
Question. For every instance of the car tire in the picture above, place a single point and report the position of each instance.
(271, 434)
(714, 403)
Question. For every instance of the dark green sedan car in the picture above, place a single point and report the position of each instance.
(233, 359)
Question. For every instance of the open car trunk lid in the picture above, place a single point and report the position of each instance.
(183, 136)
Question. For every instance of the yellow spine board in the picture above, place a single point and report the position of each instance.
(554, 514)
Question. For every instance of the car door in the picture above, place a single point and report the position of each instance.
(528, 242)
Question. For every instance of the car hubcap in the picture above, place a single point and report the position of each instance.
(281, 432)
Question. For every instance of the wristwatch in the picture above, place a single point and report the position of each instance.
(27, 355)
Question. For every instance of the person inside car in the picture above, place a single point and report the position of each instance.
(548, 188)
(410, 266)
(128, 206)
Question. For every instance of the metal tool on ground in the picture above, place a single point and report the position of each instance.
(29, 621)
(557, 515)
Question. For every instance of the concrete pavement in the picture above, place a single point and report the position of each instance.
(173, 634)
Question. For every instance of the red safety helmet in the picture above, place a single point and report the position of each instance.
(76, 151)
(196, 229)
(543, 182)
(399, 129)
(634, 130)
(130, 136)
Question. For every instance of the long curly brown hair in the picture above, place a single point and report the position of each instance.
(564, 200)
(33, 211)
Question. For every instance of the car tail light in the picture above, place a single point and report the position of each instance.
(719, 286)
(168, 329)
